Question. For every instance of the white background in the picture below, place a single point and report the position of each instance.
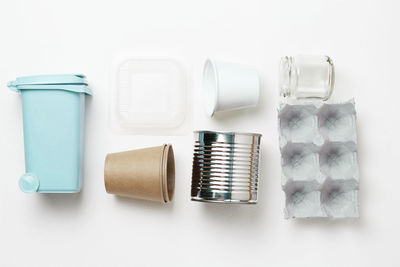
(96, 229)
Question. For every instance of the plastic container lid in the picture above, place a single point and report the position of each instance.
(148, 96)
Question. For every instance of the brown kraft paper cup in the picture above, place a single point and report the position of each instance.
(147, 173)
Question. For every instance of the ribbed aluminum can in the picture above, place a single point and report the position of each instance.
(225, 167)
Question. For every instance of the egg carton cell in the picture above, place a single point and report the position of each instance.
(302, 199)
(339, 198)
(337, 122)
(300, 162)
(339, 160)
(298, 123)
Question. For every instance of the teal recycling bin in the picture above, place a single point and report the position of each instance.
(53, 120)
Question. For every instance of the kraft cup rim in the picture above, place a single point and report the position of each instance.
(167, 195)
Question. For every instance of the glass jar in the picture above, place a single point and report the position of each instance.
(306, 76)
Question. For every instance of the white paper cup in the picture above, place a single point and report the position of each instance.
(229, 86)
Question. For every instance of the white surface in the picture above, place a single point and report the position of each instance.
(96, 229)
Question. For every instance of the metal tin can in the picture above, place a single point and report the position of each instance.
(225, 167)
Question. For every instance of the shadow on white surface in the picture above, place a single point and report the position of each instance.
(135, 204)
(62, 202)
(239, 213)
(233, 115)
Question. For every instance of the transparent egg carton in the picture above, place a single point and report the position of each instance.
(318, 144)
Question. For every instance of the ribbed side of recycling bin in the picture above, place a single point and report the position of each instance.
(225, 167)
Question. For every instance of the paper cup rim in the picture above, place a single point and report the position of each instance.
(167, 162)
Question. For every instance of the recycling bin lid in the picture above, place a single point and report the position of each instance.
(66, 87)
(51, 79)
(69, 82)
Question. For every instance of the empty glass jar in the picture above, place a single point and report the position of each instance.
(306, 77)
